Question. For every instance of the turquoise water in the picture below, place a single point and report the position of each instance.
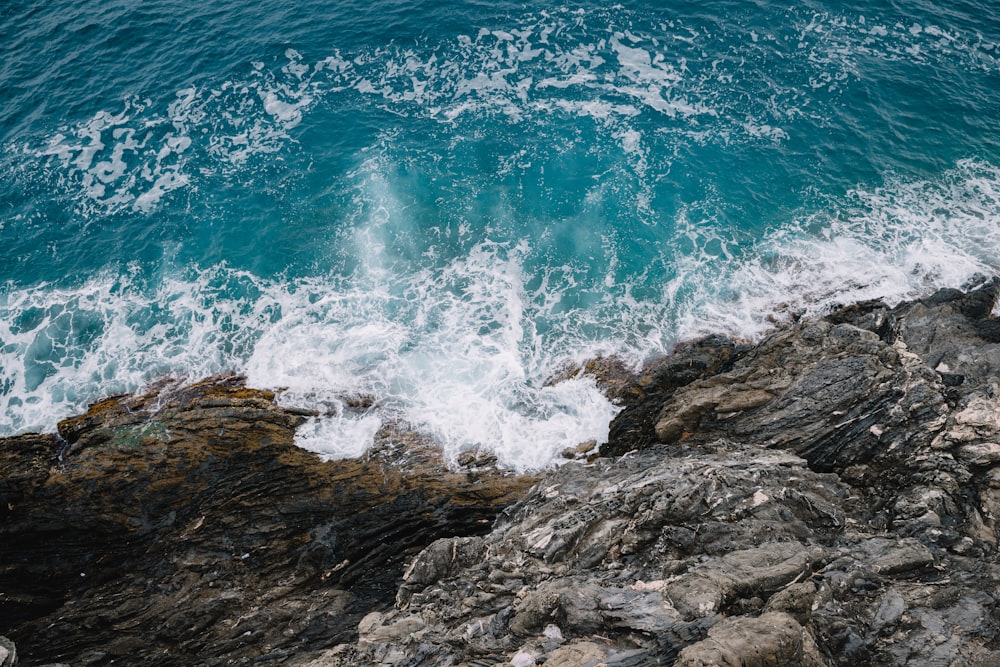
(440, 204)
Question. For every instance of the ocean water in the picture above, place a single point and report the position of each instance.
(441, 204)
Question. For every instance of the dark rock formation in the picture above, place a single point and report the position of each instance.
(183, 527)
(645, 393)
(826, 497)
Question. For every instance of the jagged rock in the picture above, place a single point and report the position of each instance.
(443, 558)
(614, 550)
(827, 496)
(828, 392)
(184, 526)
(655, 384)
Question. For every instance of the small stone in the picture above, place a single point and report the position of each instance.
(981, 454)
(770, 639)
(795, 600)
(905, 556)
(522, 659)
(963, 546)
(889, 611)
(8, 653)
(576, 654)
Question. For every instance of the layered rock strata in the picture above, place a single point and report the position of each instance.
(828, 496)
(184, 527)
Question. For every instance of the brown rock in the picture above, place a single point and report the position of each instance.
(184, 526)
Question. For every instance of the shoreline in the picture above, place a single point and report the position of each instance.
(824, 495)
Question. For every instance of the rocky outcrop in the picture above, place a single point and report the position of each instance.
(826, 497)
(184, 527)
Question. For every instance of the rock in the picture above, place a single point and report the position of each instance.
(650, 388)
(611, 374)
(829, 495)
(796, 600)
(827, 392)
(771, 639)
(8, 653)
(761, 570)
(523, 659)
(578, 654)
(442, 558)
(183, 525)
(597, 550)
(896, 557)
(888, 612)
(823, 497)
(980, 454)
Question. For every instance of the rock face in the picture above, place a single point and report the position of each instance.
(184, 527)
(826, 497)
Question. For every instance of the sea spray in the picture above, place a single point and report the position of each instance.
(464, 351)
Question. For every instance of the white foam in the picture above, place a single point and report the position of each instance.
(461, 348)
(835, 45)
(338, 435)
(896, 242)
(536, 69)
(451, 352)
(131, 159)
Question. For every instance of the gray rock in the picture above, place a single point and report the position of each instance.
(771, 639)
(8, 653)
(796, 600)
(828, 496)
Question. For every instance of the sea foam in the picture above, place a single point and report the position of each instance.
(460, 351)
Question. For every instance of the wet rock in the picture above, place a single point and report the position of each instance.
(647, 390)
(183, 525)
(827, 496)
(611, 374)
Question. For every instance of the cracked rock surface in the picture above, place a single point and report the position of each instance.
(828, 496)
(184, 527)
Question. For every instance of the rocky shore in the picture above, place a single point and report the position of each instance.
(828, 496)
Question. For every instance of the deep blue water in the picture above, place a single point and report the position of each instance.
(441, 203)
